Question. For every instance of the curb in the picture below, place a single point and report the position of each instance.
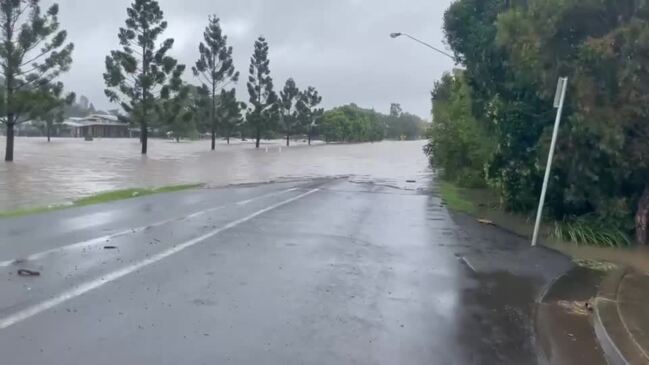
(563, 336)
(542, 356)
(610, 328)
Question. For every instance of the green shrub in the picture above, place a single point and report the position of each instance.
(590, 231)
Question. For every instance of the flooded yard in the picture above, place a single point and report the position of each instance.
(67, 169)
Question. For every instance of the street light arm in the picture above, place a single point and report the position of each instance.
(396, 35)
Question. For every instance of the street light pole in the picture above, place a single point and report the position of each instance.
(397, 35)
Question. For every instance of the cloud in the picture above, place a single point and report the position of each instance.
(341, 47)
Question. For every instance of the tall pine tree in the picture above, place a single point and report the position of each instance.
(215, 68)
(33, 52)
(308, 112)
(142, 72)
(288, 101)
(260, 88)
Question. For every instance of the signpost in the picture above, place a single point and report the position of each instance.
(559, 99)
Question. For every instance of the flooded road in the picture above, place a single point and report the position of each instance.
(321, 271)
(67, 169)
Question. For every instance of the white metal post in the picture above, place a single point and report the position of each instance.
(558, 103)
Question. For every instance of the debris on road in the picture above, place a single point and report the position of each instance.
(110, 247)
(486, 221)
(411, 181)
(28, 273)
(596, 265)
(576, 307)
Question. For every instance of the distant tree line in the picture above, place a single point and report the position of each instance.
(494, 118)
(350, 123)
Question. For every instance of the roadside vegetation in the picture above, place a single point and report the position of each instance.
(493, 118)
(104, 197)
(455, 200)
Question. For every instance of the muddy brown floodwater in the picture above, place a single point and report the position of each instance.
(67, 169)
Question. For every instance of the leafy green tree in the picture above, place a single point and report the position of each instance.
(199, 102)
(33, 53)
(350, 123)
(139, 74)
(395, 110)
(215, 68)
(513, 52)
(459, 144)
(403, 126)
(505, 104)
(309, 114)
(50, 107)
(229, 113)
(263, 99)
(288, 100)
(175, 114)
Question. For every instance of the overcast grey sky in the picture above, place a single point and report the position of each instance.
(342, 47)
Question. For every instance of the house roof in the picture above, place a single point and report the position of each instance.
(95, 120)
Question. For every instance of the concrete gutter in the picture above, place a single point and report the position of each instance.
(611, 327)
(563, 334)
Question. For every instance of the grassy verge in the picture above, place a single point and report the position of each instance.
(30, 211)
(484, 204)
(101, 198)
(456, 200)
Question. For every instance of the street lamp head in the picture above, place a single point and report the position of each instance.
(395, 35)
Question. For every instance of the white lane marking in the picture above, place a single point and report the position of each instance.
(466, 261)
(245, 202)
(110, 277)
(103, 239)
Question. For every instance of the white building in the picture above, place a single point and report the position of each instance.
(96, 125)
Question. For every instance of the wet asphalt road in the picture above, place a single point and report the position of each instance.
(316, 272)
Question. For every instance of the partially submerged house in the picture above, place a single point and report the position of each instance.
(96, 126)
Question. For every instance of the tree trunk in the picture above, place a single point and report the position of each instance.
(228, 138)
(49, 132)
(213, 115)
(258, 137)
(642, 218)
(144, 127)
(213, 138)
(9, 155)
(309, 136)
(144, 132)
(288, 140)
(9, 71)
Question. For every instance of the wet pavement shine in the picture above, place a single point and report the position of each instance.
(321, 271)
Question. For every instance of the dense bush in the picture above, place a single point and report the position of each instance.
(350, 124)
(459, 145)
(513, 53)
